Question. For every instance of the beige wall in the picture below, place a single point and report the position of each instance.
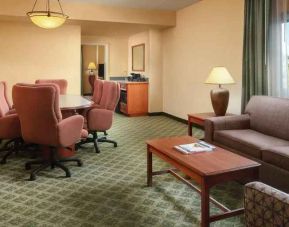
(29, 53)
(118, 53)
(208, 34)
(153, 65)
(139, 38)
(155, 71)
(101, 54)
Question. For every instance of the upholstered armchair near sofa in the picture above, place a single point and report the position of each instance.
(265, 206)
(262, 134)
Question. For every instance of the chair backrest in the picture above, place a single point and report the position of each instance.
(39, 113)
(106, 94)
(61, 83)
(4, 103)
(97, 92)
(269, 115)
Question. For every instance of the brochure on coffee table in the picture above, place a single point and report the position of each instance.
(194, 147)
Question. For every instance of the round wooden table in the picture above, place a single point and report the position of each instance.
(74, 102)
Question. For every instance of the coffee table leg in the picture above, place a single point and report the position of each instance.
(190, 125)
(205, 204)
(149, 167)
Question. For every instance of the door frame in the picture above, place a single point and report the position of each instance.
(106, 58)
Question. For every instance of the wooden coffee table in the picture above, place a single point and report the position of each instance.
(206, 168)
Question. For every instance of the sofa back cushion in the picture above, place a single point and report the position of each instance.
(269, 115)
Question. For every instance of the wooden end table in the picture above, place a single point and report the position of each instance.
(205, 168)
(199, 119)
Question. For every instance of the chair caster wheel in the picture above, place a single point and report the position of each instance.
(27, 167)
(32, 177)
(79, 163)
(115, 145)
(3, 161)
(68, 175)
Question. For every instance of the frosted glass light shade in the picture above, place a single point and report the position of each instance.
(220, 75)
(91, 66)
(47, 20)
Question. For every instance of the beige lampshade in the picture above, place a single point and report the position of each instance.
(220, 75)
(91, 66)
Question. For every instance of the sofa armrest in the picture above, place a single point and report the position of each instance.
(265, 205)
(225, 123)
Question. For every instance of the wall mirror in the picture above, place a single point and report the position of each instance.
(138, 58)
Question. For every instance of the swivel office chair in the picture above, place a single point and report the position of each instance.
(41, 123)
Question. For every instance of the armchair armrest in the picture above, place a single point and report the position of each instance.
(10, 127)
(265, 205)
(11, 111)
(69, 130)
(225, 123)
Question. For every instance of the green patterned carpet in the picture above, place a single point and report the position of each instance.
(109, 190)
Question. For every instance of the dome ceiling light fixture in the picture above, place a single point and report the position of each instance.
(47, 19)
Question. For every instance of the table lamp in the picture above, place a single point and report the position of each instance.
(220, 96)
(91, 67)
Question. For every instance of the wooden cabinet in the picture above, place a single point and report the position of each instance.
(134, 98)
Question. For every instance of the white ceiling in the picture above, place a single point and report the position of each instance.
(143, 4)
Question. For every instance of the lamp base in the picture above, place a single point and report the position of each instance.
(91, 80)
(220, 100)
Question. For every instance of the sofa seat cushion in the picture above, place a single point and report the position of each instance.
(248, 141)
(278, 156)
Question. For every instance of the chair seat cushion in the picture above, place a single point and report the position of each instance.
(84, 134)
(248, 141)
(278, 156)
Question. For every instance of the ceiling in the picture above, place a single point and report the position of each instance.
(96, 28)
(99, 28)
(142, 4)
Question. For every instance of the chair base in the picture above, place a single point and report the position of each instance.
(95, 140)
(11, 146)
(52, 163)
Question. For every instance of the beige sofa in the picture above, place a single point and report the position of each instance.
(262, 134)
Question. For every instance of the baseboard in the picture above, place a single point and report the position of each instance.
(156, 114)
(175, 118)
(169, 116)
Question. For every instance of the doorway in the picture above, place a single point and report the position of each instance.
(94, 65)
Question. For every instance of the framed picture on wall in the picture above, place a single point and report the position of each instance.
(138, 58)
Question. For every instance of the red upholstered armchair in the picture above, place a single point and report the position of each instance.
(99, 118)
(9, 124)
(60, 82)
(41, 123)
